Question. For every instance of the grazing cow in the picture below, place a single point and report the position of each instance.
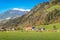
(28, 28)
(41, 29)
(33, 28)
(3, 29)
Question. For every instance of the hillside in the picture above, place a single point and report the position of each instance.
(42, 14)
(45, 13)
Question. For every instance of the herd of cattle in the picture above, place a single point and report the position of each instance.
(42, 29)
(30, 28)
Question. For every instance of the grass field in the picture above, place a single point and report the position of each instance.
(50, 26)
(32, 35)
(29, 35)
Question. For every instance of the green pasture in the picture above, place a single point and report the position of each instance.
(29, 35)
(32, 35)
(50, 26)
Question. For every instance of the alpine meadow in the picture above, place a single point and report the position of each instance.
(42, 22)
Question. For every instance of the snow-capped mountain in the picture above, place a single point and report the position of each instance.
(13, 13)
(21, 9)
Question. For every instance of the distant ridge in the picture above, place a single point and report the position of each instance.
(13, 13)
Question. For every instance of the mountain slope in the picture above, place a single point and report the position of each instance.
(42, 14)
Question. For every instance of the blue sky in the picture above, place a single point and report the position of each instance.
(23, 4)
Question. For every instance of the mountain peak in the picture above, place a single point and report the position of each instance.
(13, 13)
(20, 9)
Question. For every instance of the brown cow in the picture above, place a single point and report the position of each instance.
(28, 28)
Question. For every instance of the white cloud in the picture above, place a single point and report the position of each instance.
(8, 18)
(21, 9)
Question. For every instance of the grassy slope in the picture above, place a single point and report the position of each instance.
(29, 36)
(50, 26)
(53, 8)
